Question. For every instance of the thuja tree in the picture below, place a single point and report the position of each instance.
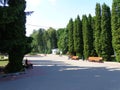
(78, 37)
(86, 34)
(91, 35)
(106, 37)
(98, 29)
(70, 37)
(116, 28)
(13, 39)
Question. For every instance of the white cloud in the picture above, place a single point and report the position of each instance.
(52, 1)
(32, 4)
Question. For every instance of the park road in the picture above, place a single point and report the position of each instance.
(54, 72)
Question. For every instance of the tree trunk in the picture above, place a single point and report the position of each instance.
(15, 62)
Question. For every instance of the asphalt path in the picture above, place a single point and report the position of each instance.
(53, 72)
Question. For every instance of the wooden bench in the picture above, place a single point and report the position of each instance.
(75, 58)
(95, 59)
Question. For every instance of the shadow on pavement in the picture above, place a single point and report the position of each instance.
(57, 75)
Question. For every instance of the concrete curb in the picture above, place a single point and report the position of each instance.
(11, 74)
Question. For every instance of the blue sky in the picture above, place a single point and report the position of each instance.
(56, 13)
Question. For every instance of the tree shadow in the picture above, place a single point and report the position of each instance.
(57, 75)
(87, 78)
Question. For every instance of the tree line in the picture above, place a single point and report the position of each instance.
(90, 36)
(44, 41)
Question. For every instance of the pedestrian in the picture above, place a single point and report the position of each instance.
(28, 65)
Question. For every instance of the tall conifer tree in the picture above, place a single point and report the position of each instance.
(86, 34)
(106, 37)
(78, 37)
(91, 35)
(70, 37)
(116, 28)
(98, 29)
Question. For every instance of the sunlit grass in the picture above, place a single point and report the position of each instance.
(3, 60)
(3, 63)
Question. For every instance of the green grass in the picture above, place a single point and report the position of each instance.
(3, 63)
(3, 60)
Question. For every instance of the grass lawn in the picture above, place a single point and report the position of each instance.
(3, 60)
(3, 63)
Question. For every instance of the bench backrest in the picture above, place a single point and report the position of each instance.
(75, 57)
(95, 58)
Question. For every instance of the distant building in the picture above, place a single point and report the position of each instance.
(55, 51)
